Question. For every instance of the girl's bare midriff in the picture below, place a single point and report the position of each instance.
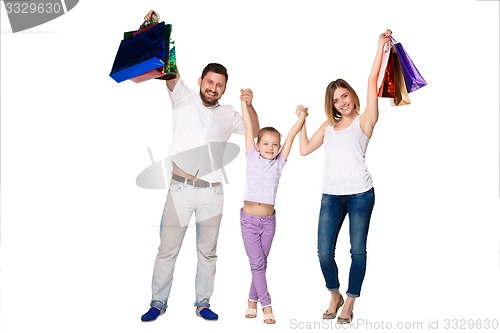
(258, 209)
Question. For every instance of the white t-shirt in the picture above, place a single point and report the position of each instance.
(199, 133)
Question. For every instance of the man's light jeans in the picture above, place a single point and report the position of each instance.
(182, 201)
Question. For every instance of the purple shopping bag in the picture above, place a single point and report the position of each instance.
(412, 76)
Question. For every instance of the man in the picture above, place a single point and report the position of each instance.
(198, 122)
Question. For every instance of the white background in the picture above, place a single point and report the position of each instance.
(79, 237)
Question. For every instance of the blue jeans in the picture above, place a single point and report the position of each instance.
(334, 209)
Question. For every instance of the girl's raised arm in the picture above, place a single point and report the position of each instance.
(249, 132)
(287, 146)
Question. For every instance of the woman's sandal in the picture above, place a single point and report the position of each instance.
(251, 312)
(341, 320)
(332, 315)
(269, 318)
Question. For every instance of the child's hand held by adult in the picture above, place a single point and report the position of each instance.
(246, 95)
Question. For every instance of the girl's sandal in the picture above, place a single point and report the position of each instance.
(269, 318)
(251, 312)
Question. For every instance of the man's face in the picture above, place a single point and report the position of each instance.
(212, 87)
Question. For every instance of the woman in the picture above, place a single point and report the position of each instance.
(348, 187)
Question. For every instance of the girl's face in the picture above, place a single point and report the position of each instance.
(269, 145)
(343, 102)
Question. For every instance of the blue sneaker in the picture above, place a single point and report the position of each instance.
(207, 314)
(151, 315)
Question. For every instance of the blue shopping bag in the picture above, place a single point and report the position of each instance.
(139, 54)
(412, 76)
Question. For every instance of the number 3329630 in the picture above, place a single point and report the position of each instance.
(468, 324)
(33, 8)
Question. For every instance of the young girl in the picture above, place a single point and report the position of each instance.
(348, 187)
(258, 217)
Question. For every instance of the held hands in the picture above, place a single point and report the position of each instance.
(301, 111)
(246, 96)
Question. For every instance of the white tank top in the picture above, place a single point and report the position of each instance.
(345, 169)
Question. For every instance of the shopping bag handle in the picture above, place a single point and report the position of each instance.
(388, 45)
(153, 14)
(145, 24)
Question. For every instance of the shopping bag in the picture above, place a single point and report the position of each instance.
(402, 97)
(383, 66)
(388, 88)
(152, 74)
(169, 69)
(160, 73)
(157, 72)
(140, 53)
(412, 76)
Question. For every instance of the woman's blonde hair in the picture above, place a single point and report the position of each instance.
(332, 114)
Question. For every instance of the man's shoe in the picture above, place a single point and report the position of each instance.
(207, 314)
(151, 315)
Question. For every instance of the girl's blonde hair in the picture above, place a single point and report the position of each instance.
(267, 129)
(332, 114)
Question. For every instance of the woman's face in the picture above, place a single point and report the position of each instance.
(343, 102)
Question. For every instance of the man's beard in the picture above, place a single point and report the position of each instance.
(206, 101)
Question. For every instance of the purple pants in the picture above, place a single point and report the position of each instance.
(258, 233)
